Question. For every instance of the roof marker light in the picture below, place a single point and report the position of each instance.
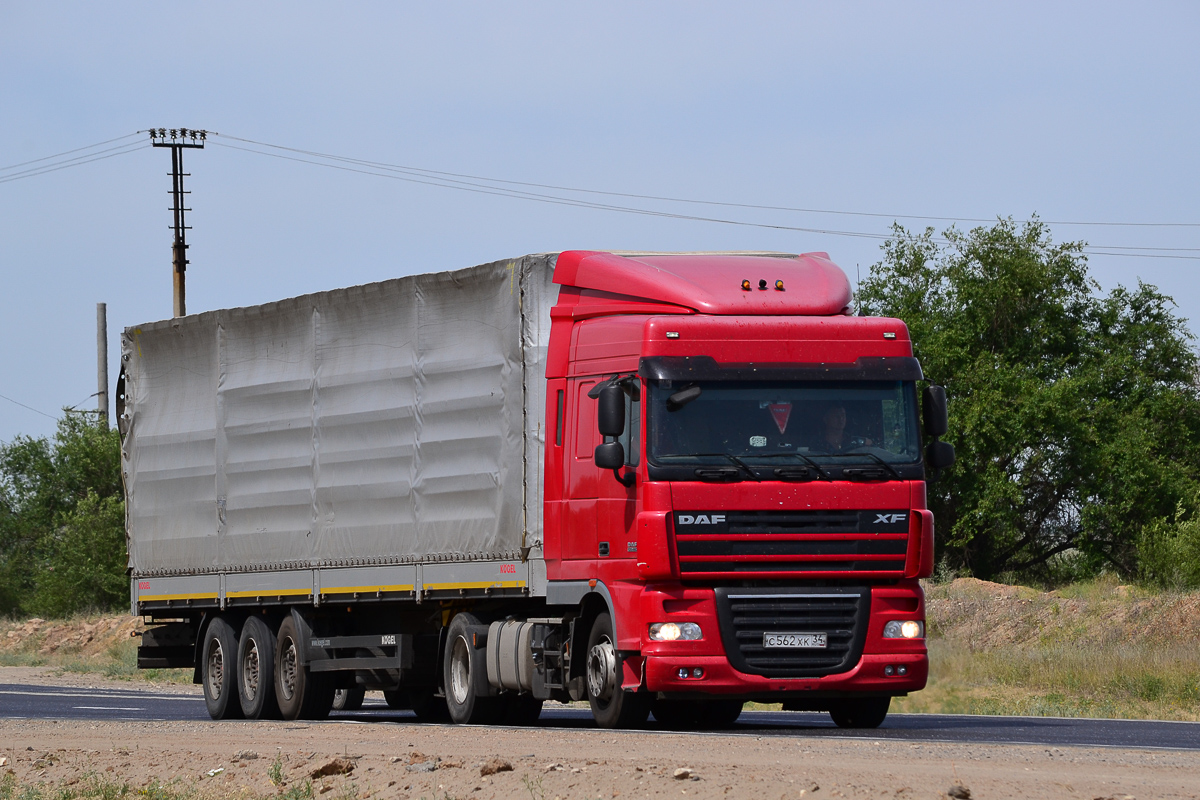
(672, 334)
(889, 335)
(779, 286)
(746, 285)
(762, 284)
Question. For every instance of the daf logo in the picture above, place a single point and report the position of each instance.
(701, 519)
(888, 519)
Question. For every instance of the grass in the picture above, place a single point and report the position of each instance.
(97, 786)
(91, 644)
(1094, 649)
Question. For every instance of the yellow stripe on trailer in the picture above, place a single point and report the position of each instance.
(400, 587)
(271, 593)
(190, 596)
(476, 585)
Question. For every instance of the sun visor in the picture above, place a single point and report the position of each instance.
(705, 368)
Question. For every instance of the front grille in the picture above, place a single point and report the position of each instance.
(746, 614)
(765, 542)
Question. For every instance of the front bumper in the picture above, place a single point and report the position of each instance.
(662, 675)
(663, 661)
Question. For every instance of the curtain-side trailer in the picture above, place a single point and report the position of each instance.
(666, 483)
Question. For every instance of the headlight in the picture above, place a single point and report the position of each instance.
(904, 629)
(671, 631)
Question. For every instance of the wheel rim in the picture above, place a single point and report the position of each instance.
(250, 671)
(216, 669)
(287, 670)
(460, 671)
(602, 670)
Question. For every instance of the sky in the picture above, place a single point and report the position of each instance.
(1076, 112)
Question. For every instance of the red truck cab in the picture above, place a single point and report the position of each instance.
(735, 462)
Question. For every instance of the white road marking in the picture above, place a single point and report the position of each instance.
(107, 708)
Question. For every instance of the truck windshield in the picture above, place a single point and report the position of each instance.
(774, 424)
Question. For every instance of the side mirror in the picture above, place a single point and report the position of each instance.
(939, 455)
(610, 416)
(610, 455)
(934, 411)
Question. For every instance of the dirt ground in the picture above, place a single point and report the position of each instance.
(235, 759)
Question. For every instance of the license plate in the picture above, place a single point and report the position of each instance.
(800, 640)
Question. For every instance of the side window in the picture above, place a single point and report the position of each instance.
(631, 439)
(585, 421)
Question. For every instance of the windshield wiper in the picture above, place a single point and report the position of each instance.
(741, 464)
(871, 456)
(822, 474)
(882, 463)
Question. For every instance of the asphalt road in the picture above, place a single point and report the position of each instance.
(53, 702)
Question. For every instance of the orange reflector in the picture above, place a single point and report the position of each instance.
(592, 583)
(779, 285)
(746, 285)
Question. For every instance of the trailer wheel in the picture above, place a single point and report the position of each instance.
(863, 712)
(301, 693)
(349, 699)
(462, 664)
(219, 670)
(696, 714)
(612, 706)
(521, 710)
(256, 670)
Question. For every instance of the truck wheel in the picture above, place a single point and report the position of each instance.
(219, 670)
(521, 710)
(349, 699)
(463, 662)
(863, 712)
(301, 693)
(696, 714)
(256, 670)
(612, 706)
(422, 701)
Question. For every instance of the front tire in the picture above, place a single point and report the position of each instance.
(301, 693)
(462, 663)
(219, 670)
(862, 712)
(256, 670)
(612, 706)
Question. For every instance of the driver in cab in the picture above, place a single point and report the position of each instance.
(832, 437)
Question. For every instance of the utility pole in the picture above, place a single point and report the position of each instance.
(102, 363)
(180, 139)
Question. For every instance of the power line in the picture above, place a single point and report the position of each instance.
(430, 172)
(553, 200)
(31, 408)
(68, 152)
(430, 178)
(75, 162)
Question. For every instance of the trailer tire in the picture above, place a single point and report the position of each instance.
(256, 670)
(521, 710)
(612, 706)
(862, 712)
(461, 666)
(696, 714)
(349, 699)
(301, 693)
(218, 666)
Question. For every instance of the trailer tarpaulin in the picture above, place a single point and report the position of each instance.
(393, 422)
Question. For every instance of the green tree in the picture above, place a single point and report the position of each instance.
(1075, 414)
(62, 514)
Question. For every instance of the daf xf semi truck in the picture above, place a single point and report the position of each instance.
(663, 483)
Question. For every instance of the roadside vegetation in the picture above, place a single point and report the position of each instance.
(1093, 649)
